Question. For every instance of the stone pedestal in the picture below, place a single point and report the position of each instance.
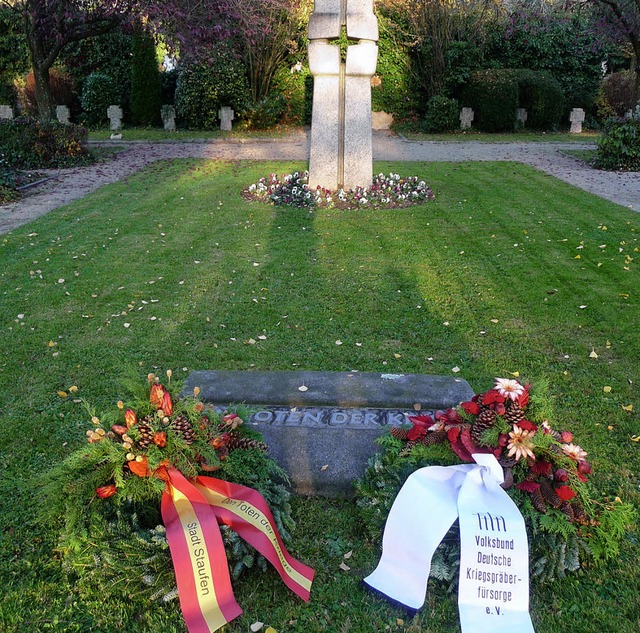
(114, 113)
(226, 115)
(63, 114)
(341, 149)
(466, 118)
(577, 119)
(6, 112)
(168, 113)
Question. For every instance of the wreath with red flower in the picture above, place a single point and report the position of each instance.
(545, 472)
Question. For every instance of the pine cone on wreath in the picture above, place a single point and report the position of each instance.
(514, 413)
(146, 433)
(400, 433)
(567, 509)
(538, 501)
(483, 421)
(182, 427)
(550, 495)
(236, 442)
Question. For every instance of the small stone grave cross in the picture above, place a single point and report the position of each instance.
(114, 113)
(466, 118)
(521, 116)
(6, 112)
(168, 113)
(577, 118)
(63, 114)
(226, 115)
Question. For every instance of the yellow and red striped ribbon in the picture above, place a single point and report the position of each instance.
(191, 513)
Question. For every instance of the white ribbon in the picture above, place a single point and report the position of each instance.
(493, 595)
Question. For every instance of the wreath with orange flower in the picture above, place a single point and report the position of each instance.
(107, 493)
(545, 472)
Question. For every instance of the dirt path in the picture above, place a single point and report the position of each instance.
(67, 185)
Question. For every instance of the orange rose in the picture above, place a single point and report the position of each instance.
(167, 405)
(160, 439)
(156, 394)
(104, 492)
(140, 468)
(130, 418)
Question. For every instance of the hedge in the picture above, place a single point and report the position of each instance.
(619, 145)
(28, 144)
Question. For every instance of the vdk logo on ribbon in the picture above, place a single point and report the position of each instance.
(493, 595)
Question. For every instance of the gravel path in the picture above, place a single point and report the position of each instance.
(67, 185)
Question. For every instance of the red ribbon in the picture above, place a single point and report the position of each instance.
(191, 513)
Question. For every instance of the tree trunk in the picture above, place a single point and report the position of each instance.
(44, 98)
(41, 62)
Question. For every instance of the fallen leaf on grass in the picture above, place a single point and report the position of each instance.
(455, 370)
(303, 388)
(345, 567)
(348, 555)
(593, 354)
(256, 626)
(325, 467)
(62, 394)
(606, 389)
(635, 438)
(628, 407)
(270, 629)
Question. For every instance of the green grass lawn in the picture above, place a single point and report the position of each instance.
(508, 270)
(158, 134)
(514, 137)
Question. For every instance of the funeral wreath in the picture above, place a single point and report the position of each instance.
(546, 473)
(108, 493)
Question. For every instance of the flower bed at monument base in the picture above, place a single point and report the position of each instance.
(386, 191)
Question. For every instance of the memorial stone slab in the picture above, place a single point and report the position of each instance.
(466, 118)
(114, 113)
(321, 427)
(226, 115)
(63, 114)
(6, 112)
(577, 118)
(168, 113)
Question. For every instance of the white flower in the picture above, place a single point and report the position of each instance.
(509, 388)
(574, 452)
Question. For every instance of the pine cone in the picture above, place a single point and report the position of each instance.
(579, 514)
(146, 433)
(400, 433)
(236, 441)
(538, 501)
(567, 509)
(514, 413)
(408, 447)
(483, 421)
(434, 437)
(550, 495)
(182, 427)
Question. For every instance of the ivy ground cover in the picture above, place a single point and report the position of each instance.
(508, 270)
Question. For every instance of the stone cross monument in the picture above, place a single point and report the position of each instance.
(341, 152)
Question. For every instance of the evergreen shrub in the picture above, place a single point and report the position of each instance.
(27, 144)
(297, 93)
(98, 93)
(542, 96)
(619, 145)
(145, 100)
(203, 88)
(267, 113)
(168, 79)
(442, 115)
(615, 96)
(109, 54)
(493, 95)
